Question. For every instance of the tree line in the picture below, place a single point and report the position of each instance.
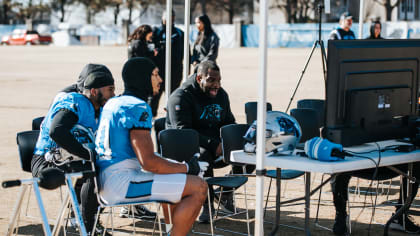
(295, 11)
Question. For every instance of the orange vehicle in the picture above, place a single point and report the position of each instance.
(26, 37)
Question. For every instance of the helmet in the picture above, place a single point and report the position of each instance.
(282, 134)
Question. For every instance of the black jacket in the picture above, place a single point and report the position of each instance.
(339, 34)
(207, 50)
(139, 48)
(177, 46)
(189, 108)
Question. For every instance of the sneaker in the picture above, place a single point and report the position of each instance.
(140, 212)
(204, 218)
(99, 231)
(410, 226)
(226, 202)
(340, 225)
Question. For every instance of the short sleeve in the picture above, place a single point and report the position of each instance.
(136, 116)
(71, 103)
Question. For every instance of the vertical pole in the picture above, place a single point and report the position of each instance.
(187, 40)
(361, 18)
(261, 116)
(168, 55)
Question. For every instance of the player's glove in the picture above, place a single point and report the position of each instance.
(195, 167)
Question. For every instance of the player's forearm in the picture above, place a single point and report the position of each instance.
(158, 165)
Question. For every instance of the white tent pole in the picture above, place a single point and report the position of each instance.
(168, 55)
(261, 117)
(187, 39)
(361, 18)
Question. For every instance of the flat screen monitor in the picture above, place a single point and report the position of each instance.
(371, 90)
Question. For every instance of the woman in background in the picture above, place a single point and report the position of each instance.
(140, 43)
(375, 30)
(206, 46)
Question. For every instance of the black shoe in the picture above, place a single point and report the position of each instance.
(340, 225)
(99, 231)
(140, 212)
(410, 226)
(226, 202)
(204, 218)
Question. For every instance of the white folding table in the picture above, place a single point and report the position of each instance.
(297, 162)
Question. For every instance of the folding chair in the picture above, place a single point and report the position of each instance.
(158, 125)
(308, 121)
(25, 183)
(317, 104)
(251, 111)
(36, 123)
(103, 204)
(181, 145)
(26, 141)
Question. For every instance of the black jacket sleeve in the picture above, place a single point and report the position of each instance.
(60, 128)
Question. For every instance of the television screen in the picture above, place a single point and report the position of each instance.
(371, 90)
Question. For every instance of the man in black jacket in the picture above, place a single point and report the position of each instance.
(203, 105)
(177, 57)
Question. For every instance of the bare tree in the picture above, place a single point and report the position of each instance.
(29, 11)
(232, 7)
(296, 11)
(5, 9)
(93, 7)
(388, 6)
(116, 4)
(59, 5)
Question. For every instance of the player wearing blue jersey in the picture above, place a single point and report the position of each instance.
(57, 140)
(129, 170)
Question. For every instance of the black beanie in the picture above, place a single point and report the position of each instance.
(89, 68)
(136, 75)
(98, 80)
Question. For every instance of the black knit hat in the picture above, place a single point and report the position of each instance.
(89, 68)
(98, 80)
(136, 75)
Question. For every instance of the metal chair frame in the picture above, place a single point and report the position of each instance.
(25, 184)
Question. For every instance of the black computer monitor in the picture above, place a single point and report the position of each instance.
(371, 90)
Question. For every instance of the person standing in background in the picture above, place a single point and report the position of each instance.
(375, 30)
(177, 57)
(344, 32)
(206, 46)
(140, 43)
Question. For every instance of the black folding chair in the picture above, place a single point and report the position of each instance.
(251, 111)
(318, 105)
(308, 121)
(158, 125)
(36, 123)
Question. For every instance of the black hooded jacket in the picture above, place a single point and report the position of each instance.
(190, 108)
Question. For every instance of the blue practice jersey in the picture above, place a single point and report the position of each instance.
(80, 105)
(119, 115)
